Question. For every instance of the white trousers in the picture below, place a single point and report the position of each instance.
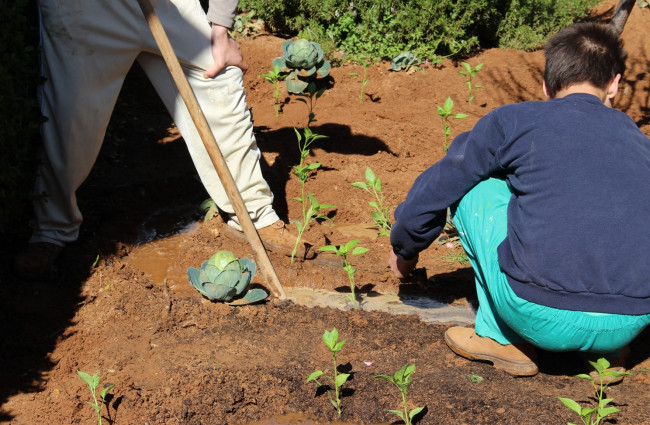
(88, 48)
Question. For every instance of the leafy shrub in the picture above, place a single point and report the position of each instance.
(381, 29)
(526, 24)
(19, 112)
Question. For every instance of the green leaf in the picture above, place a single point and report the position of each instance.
(330, 337)
(88, 379)
(459, 116)
(386, 377)
(341, 378)
(370, 175)
(607, 411)
(448, 105)
(360, 185)
(571, 404)
(327, 248)
(338, 346)
(106, 390)
(349, 245)
(360, 250)
(415, 411)
(315, 375)
(398, 413)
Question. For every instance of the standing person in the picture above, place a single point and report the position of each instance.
(552, 204)
(88, 48)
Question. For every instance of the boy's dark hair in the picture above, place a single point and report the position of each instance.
(583, 52)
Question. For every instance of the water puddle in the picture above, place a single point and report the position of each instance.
(156, 250)
(428, 309)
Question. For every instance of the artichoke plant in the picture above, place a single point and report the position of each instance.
(224, 277)
(404, 61)
(304, 61)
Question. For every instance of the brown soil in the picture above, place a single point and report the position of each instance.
(176, 358)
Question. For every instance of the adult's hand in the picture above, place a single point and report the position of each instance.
(225, 52)
(401, 268)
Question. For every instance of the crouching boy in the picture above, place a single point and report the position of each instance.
(551, 200)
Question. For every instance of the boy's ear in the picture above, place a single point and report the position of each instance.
(612, 88)
(545, 90)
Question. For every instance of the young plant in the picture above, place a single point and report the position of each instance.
(380, 215)
(309, 97)
(402, 380)
(330, 338)
(593, 415)
(274, 77)
(304, 63)
(312, 214)
(349, 249)
(303, 172)
(446, 115)
(469, 74)
(364, 80)
(93, 383)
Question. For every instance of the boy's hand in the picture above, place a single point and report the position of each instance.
(225, 52)
(401, 268)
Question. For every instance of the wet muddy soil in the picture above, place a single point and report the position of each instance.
(119, 302)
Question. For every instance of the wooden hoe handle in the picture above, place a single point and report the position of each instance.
(211, 146)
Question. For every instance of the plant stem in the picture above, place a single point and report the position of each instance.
(336, 388)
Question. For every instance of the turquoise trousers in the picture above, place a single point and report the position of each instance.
(481, 220)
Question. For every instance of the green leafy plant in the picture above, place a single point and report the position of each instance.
(331, 340)
(402, 380)
(303, 62)
(274, 77)
(364, 80)
(224, 277)
(311, 208)
(446, 115)
(594, 414)
(93, 384)
(404, 61)
(380, 213)
(469, 74)
(344, 251)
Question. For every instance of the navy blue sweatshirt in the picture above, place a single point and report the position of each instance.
(579, 217)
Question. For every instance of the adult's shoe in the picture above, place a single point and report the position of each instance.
(515, 359)
(36, 261)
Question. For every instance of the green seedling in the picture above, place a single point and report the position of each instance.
(461, 258)
(330, 338)
(312, 214)
(93, 383)
(364, 80)
(446, 115)
(309, 97)
(594, 414)
(304, 143)
(380, 214)
(402, 380)
(310, 206)
(469, 74)
(274, 77)
(344, 251)
(474, 378)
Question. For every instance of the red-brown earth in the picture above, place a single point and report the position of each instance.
(121, 306)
